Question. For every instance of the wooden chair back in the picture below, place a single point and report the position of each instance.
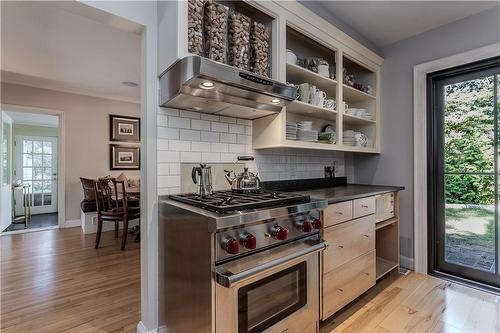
(110, 195)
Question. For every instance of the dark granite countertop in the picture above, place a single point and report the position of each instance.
(348, 192)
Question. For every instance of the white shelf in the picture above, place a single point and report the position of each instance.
(310, 110)
(353, 120)
(353, 95)
(297, 75)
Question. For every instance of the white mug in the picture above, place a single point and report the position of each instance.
(324, 70)
(330, 104)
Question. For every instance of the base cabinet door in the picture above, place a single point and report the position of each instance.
(346, 283)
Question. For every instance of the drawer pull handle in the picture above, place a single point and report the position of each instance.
(341, 246)
(366, 236)
(367, 274)
(364, 206)
(341, 290)
(340, 213)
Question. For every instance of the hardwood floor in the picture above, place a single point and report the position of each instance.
(418, 303)
(55, 281)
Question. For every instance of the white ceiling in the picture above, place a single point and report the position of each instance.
(38, 119)
(70, 47)
(387, 22)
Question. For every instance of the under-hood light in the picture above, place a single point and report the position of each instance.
(207, 85)
(275, 100)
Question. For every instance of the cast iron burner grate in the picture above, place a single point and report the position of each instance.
(226, 201)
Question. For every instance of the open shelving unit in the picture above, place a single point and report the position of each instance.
(387, 243)
(270, 132)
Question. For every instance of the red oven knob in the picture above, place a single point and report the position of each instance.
(306, 226)
(231, 246)
(248, 241)
(317, 224)
(280, 233)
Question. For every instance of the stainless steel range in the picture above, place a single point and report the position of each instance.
(240, 262)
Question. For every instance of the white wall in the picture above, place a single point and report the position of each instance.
(395, 164)
(5, 189)
(86, 133)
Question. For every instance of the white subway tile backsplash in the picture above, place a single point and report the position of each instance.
(177, 122)
(210, 157)
(200, 146)
(177, 145)
(213, 117)
(168, 133)
(189, 114)
(185, 136)
(190, 135)
(228, 120)
(209, 137)
(245, 139)
(238, 129)
(220, 147)
(228, 138)
(219, 127)
(236, 148)
(162, 120)
(169, 112)
(190, 157)
(162, 144)
(168, 156)
(203, 125)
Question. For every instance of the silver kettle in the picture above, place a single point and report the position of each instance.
(244, 182)
(205, 188)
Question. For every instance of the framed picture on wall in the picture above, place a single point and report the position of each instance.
(125, 129)
(124, 157)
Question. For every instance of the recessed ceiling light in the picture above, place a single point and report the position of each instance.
(275, 100)
(207, 85)
(129, 84)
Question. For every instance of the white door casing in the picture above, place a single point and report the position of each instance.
(5, 170)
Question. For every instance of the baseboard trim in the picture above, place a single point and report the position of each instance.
(406, 262)
(71, 224)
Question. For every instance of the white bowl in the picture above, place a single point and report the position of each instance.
(291, 58)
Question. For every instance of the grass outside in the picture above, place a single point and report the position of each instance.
(470, 236)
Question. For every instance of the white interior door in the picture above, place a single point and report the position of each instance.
(36, 162)
(5, 170)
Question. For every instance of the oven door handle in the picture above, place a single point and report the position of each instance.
(228, 280)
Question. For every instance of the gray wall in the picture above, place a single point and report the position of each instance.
(395, 164)
(319, 9)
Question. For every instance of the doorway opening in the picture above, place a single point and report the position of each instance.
(30, 177)
(463, 168)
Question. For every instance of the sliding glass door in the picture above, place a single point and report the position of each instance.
(464, 172)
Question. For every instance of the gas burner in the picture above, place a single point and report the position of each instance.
(226, 201)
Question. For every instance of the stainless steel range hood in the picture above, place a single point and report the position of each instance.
(199, 84)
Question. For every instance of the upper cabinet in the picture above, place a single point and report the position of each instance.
(337, 78)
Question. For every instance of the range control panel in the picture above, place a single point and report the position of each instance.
(255, 237)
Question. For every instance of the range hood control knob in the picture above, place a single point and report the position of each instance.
(231, 246)
(317, 224)
(280, 233)
(305, 226)
(248, 241)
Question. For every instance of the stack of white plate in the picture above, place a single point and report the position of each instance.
(349, 138)
(291, 130)
(305, 125)
(309, 136)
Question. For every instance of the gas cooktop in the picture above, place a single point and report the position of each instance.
(227, 201)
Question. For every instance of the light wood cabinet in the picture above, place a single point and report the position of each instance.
(347, 282)
(360, 251)
(348, 241)
(364, 206)
(337, 213)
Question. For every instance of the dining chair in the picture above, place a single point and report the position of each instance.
(112, 206)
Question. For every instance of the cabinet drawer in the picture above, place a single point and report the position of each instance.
(364, 206)
(348, 241)
(347, 282)
(337, 213)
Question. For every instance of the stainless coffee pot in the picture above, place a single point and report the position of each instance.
(204, 180)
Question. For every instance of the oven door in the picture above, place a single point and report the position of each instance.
(279, 295)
